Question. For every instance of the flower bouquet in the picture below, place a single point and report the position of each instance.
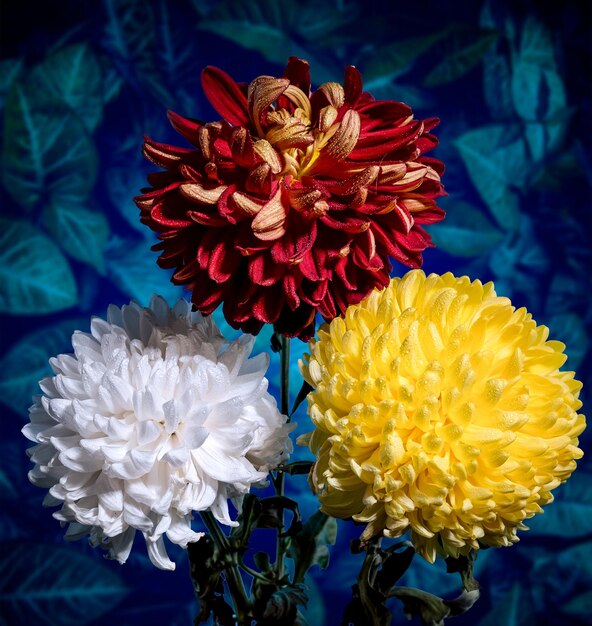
(442, 417)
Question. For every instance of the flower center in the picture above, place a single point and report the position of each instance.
(289, 133)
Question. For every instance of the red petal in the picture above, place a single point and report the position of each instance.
(430, 216)
(206, 295)
(347, 223)
(148, 199)
(225, 95)
(263, 271)
(241, 146)
(430, 123)
(298, 73)
(352, 85)
(379, 144)
(435, 164)
(313, 293)
(426, 142)
(292, 298)
(327, 307)
(385, 112)
(310, 268)
(364, 252)
(396, 245)
(207, 220)
(299, 238)
(164, 155)
(206, 246)
(268, 305)
(168, 216)
(186, 274)
(348, 277)
(224, 262)
(259, 180)
(352, 184)
(185, 126)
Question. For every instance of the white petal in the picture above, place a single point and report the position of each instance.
(99, 327)
(158, 554)
(222, 467)
(148, 431)
(171, 417)
(136, 464)
(194, 435)
(176, 457)
(86, 345)
(121, 545)
(220, 510)
(180, 531)
(79, 460)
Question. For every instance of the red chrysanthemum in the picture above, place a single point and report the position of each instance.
(294, 202)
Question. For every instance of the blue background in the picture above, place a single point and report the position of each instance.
(80, 83)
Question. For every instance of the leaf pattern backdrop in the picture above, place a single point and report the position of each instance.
(80, 83)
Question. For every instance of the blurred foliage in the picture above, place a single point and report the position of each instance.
(80, 83)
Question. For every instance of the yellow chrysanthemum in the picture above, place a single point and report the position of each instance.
(440, 409)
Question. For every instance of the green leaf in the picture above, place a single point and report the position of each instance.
(133, 268)
(277, 30)
(514, 609)
(495, 164)
(283, 603)
(46, 584)
(394, 565)
(205, 574)
(129, 31)
(130, 34)
(466, 231)
(272, 514)
(497, 86)
(570, 328)
(27, 362)
(35, 278)
(247, 521)
(432, 609)
(73, 75)
(10, 69)
(125, 182)
(112, 80)
(388, 62)
(546, 137)
(80, 232)
(579, 606)
(464, 565)
(460, 61)
(570, 513)
(534, 70)
(47, 150)
(309, 546)
(555, 578)
(315, 612)
(296, 467)
(305, 389)
(7, 488)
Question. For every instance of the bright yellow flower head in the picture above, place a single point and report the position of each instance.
(440, 408)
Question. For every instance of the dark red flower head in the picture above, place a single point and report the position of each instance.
(294, 202)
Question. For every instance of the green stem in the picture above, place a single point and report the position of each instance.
(285, 409)
(285, 375)
(231, 571)
(256, 574)
(212, 525)
(366, 582)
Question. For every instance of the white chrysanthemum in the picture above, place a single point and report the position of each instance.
(154, 416)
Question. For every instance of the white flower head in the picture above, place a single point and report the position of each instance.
(154, 416)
